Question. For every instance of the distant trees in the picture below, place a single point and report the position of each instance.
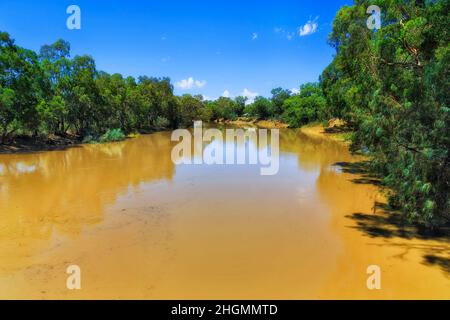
(191, 108)
(307, 106)
(52, 93)
(240, 103)
(262, 108)
(279, 96)
(226, 108)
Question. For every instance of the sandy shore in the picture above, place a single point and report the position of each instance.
(331, 133)
(253, 123)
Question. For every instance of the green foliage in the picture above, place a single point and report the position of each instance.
(191, 109)
(261, 108)
(308, 106)
(226, 108)
(391, 86)
(239, 106)
(112, 135)
(51, 93)
(279, 96)
(51, 113)
(7, 111)
(22, 86)
(161, 123)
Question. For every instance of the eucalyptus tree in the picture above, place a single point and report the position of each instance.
(393, 87)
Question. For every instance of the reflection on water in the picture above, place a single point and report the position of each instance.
(61, 192)
(141, 227)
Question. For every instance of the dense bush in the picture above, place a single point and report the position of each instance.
(305, 107)
(226, 108)
(261, 108)
(112, 135)
(392, 87)
(50, 93)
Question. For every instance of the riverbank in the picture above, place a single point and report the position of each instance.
(334, 130)
(254, 123)
(25, 144)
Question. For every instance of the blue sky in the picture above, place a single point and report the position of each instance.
(222, 45)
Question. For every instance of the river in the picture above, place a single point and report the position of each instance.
(141, 227)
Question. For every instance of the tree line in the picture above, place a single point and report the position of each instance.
(390, 86)
(50, 93)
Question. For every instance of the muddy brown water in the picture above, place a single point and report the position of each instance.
(141, 227)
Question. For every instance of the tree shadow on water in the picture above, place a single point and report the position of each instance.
(361, 169)
(386, 223)
(443, 263)
(389, 224)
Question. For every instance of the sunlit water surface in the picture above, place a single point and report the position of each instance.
(141, 227)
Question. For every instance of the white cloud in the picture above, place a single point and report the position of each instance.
(226, 94)
(285, 33)
(249, 95)
(200, 84)
(254, 36)
(278, 30)
(309, 28)
(190, 83)
(295, 90)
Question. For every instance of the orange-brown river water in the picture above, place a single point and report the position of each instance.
(140, 227)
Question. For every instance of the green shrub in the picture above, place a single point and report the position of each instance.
(305, 107)
(161, 122)
(112, 135)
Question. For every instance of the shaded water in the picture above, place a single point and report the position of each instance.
(140, 227)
